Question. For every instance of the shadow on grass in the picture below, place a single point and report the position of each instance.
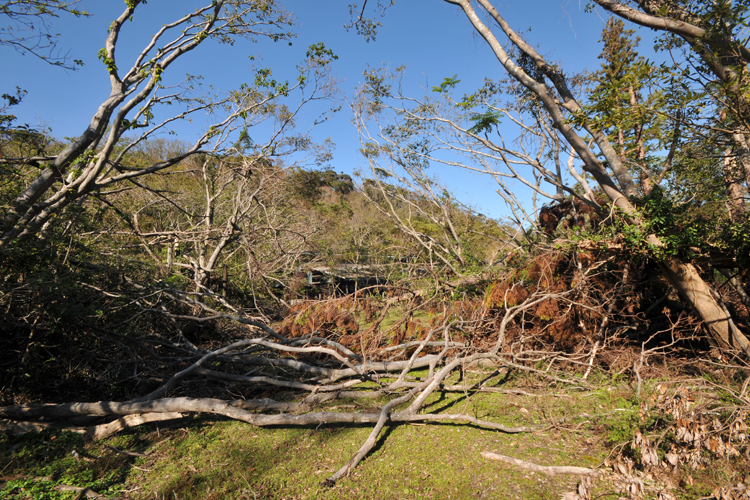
(213, 458)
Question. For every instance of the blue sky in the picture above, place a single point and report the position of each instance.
(432, 38)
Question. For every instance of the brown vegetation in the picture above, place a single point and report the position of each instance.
(330, 319)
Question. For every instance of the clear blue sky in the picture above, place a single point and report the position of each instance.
(432, 38)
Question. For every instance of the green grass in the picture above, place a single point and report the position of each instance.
(396, 314)
(35, 463)
(229, 460)
(199, 458)
(225, 459)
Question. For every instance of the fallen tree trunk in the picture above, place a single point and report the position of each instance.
(94, 432)
(685, 278)
(227, 409)
(334, 374)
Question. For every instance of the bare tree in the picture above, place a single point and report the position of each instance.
(30, 28)
(216, 205)
(425, 210)
(412, 134)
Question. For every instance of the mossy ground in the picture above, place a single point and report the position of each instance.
(199, 458)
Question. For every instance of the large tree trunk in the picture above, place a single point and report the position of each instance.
(685, 278)
(743, 154)
(24, 208)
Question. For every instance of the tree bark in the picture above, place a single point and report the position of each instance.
(743, 154)
(234, 411)
(733, 177)
(550, 470)
(694, 290)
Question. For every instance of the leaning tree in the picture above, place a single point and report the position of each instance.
(563, 119)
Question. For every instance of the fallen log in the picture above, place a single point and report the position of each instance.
(93, 432)
(231, 410)
(544, 469)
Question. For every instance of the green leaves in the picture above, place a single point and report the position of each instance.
(485, 121)
(319, 54)
(263, 78)
(201, 36)
(448, 84)
(109, 62)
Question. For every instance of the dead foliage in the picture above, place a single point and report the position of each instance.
(679, 436)
(572, 292)
(565, 300)
(408, 331)
(332, 318)
(507, 293)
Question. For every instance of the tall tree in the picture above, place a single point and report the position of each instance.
(618, 103)
(714, 33)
